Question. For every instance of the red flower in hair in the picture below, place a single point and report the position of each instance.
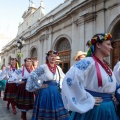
(93, 41)
(50, 51)
(109, 36)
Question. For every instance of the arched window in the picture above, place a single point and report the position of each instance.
(34, 53)
(62, 45)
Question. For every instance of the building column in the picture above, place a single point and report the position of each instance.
(75, 40)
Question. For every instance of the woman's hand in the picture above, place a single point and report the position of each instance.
(44, 86)
(114, 98)
(20, 82)
(6, 77)
(98, 100)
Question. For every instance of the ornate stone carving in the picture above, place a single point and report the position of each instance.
(44, 37)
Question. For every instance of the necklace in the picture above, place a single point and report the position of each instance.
(52, 69)
(104, 65)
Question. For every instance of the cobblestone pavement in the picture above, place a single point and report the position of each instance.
(8, 115)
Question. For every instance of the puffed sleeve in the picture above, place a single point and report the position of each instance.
(75, 97)
(15, 76)
(4, 74)
(35, 79)
(116, 71)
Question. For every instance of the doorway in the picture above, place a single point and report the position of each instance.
(64, 50)
(65, 58)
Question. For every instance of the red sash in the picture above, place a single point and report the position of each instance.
(105, 67)
(29, 70)
(12, 68)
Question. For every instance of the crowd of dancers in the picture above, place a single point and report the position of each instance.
(88, 91)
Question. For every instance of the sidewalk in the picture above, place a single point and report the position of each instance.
(8, 115)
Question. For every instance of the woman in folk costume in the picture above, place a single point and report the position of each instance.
(11, 87)
(24, 99)
(2, 82)
(89, 85)
(48, 104)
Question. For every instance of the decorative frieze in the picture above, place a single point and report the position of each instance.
(44, 37)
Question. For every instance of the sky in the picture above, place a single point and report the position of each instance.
(11, 12)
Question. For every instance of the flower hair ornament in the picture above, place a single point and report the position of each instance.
(98, 38)
(52, 52)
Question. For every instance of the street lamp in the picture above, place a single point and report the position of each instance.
(20, 43)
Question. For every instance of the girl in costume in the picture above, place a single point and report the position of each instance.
(48, 104)
(2, 82)
(11, 88)
(89, 85)
(24, 99)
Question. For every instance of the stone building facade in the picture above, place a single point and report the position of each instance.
(66, 29)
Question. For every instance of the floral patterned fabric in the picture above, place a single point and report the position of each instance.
(7, 75)
(41, 74)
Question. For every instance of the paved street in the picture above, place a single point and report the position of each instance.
(7, 114)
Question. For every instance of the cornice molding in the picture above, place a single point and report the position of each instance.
(88, 17)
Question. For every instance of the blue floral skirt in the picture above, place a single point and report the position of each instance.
(2, 85)
(48, 105)
(106, 111)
